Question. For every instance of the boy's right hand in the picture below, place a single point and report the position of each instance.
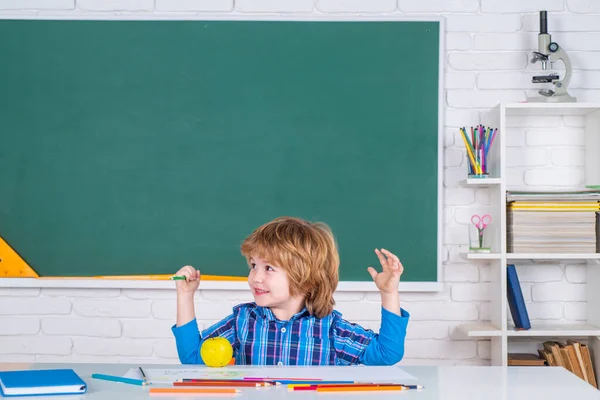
(192, 281)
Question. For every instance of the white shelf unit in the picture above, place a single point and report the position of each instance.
(499, 329)
(473, 182)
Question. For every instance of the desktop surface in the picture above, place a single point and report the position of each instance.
(441, 383)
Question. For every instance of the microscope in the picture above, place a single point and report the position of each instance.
(549, 51)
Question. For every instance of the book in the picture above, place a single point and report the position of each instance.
(548, 357)
(554, 348)
(516, 302)
(581, 195)
(525, 359)
(579, 358)
(41, 382)
(598, 232)
(589, 367)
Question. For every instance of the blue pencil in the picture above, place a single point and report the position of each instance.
(121, 379)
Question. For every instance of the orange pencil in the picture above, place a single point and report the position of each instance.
(192, 391)
(361, 389)
(197, 394)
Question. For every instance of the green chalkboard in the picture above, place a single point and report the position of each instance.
(136, 147)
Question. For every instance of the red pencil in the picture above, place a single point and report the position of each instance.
(282, 379)
(361, 389)
(225, 381)
(351, 385)
(222, 383)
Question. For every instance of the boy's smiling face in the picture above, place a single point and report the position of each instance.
(271, 288)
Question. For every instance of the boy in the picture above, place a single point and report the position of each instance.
(293, 274)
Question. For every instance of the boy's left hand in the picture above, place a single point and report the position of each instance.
(388, 279)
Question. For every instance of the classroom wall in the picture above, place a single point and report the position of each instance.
(488, 43)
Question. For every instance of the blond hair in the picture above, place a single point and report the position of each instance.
(307, 252)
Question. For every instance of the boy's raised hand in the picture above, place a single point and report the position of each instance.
(192, 281)
(388, 279)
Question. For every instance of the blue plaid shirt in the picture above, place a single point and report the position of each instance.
(259, 338)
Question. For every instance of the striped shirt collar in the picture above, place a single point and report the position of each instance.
(267, 314)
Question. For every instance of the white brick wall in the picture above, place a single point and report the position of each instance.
(295, 6)
(193, 5)
(116, 5)
(488, 45)
(37, 4)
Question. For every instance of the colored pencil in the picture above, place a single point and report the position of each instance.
(470, 153)
(482, 162)
(120, 379)
(361, 389)
(211, 380)
(192, 390)
(252, 378)
(144, 278)
(463, 133)
(224, 380)
(295, 382)
(414, 386)
(314, 387)
(186, 395)
(223, 383)
(492, 139)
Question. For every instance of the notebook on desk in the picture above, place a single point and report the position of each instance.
(41, 382)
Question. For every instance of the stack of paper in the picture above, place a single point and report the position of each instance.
(581, 195)
(553, 223)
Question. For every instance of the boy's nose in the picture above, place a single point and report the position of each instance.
(258, 276)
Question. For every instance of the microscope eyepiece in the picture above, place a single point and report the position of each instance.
(543, 22)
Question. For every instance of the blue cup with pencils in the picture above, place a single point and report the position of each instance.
(477, 145)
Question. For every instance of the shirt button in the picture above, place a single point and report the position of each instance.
(279, 363)
(283, 330)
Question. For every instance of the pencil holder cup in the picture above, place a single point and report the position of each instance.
(477, 146)
(474, 173)
(479, 239)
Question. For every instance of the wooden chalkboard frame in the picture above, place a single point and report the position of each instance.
(217, 285)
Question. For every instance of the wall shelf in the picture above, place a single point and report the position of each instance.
(558, 257)
(512, 120)
(482, 258)
(484, 182)
(479, 330)
(554, 330)
(550, 109)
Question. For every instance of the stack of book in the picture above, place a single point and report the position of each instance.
(573, 356)
(548, 222)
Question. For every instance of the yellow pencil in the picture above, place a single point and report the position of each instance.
(476, 167)
(149, 277)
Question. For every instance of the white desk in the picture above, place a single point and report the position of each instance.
(441, 383)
